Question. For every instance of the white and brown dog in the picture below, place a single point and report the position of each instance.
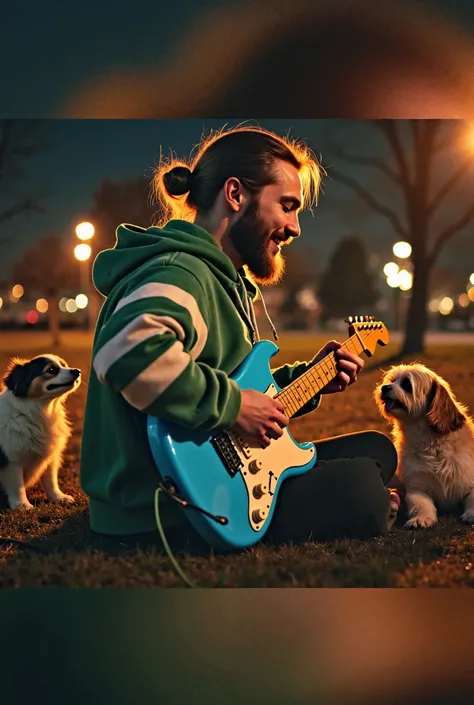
(434, 437)
(34, 429)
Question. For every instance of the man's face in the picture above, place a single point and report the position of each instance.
(269, 220)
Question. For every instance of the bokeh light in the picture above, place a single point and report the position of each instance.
(446, 305)
(464, 300)
(434, 305)
(393, 280)
(81, 301)
(471, 278)
(1, 302)
(17, 291)
(390, 268)
(82, 252)
(405, 280)
(32, 317)
(85, 231)
(42, 305)
(470, 293)
(62, 304)
(71, 306)
(402, 249)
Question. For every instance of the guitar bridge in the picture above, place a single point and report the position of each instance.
(226, 450)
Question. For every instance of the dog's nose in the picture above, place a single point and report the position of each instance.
(76, 372)
(386, 388)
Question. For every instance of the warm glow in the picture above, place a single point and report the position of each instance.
(62, 304)
(1, 302)
(446, 305)
(18, 291)
(471, 278)
(470, 293)
(32, 317)
(393, 280)
(390, 268)
(71, 306)
(85, 231)
(464, 300)
(81, 301)
(82, 252)
(402, 250)
(405, 280)
(434, 305)
(42, 305)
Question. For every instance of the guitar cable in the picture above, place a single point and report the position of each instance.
(168, 550)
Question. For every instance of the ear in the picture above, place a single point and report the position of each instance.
(444, 414)
(15, 376)
(235, 194)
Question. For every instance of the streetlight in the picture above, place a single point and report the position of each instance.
(82, 252)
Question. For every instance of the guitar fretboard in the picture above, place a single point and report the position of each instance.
(302, 390)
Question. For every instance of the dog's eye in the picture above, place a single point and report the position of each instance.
(406, 385)
(52, 370)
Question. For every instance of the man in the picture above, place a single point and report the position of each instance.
(177, 322)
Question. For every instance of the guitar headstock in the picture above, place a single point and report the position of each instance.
(369, 332)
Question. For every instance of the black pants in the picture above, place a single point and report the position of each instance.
(344, 495)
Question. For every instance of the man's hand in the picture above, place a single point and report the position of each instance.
(348, 364)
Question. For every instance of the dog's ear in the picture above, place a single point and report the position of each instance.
(16, 379)
(444, 413)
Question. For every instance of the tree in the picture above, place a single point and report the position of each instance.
(47, 269)
(20, 140)
(347, 286)
(415, 147)
(116, 202)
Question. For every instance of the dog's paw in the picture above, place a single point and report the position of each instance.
(21, 505)
(420, 522)
(468, 516)
(61, 498)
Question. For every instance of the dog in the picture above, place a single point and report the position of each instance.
(34, 429)
(434, 438)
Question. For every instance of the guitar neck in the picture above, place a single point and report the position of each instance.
(302, 390)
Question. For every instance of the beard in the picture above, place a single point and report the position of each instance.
(252, 240)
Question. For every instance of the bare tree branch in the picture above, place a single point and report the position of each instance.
(370, 200)
(388, 129)
(448, 233)
(29, 205)
(448, 186)
(367, 161)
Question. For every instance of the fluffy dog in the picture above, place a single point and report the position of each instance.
(434, 437)
(34, 429)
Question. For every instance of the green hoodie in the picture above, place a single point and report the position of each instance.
(177, 320)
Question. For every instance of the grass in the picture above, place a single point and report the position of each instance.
(68, 554)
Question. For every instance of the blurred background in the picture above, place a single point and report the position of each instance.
(391, 236)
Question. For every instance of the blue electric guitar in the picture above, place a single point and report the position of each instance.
(229, 483)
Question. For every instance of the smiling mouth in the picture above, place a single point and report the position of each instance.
(58, 386)
(391, 404)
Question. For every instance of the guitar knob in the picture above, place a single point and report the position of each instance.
(260, 490)
(258, 515)
(255, 466)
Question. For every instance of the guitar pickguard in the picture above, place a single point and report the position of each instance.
(262, 468)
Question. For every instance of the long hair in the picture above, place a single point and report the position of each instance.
(184, 188)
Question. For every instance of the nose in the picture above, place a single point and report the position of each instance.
(293, 229)
(386, 388)
(76, 372)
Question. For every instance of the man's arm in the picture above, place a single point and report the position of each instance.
(148, 349)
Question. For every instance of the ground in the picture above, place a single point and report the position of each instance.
(68, 554)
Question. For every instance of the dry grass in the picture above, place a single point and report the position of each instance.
(73, 557)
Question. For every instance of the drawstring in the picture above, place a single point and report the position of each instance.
(275, 334)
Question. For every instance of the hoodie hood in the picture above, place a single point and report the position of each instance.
(136, 246)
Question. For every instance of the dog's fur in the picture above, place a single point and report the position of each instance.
(34, 429)
(434, 437)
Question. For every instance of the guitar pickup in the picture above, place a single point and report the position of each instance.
(244, 446)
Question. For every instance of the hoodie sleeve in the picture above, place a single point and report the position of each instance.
(286, 374)
(148, 351)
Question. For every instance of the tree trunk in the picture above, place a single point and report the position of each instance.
(53, 311)
(417, 319)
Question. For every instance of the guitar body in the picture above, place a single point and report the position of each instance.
(228, 475)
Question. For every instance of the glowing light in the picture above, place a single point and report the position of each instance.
(464, 300)
(402, 250)
(471, 278)
(446, 305)
(18, 291)
(71, 306)
(434, 305)
(470, 293)
(32, 317)
(405, 279)
(42, 305)
(82, 252)
(62, 304)
(81, 301)
(1, 302)
(393, 280)
(85, 231)
(390, 268)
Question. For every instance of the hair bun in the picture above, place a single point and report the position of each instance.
(178, 181)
